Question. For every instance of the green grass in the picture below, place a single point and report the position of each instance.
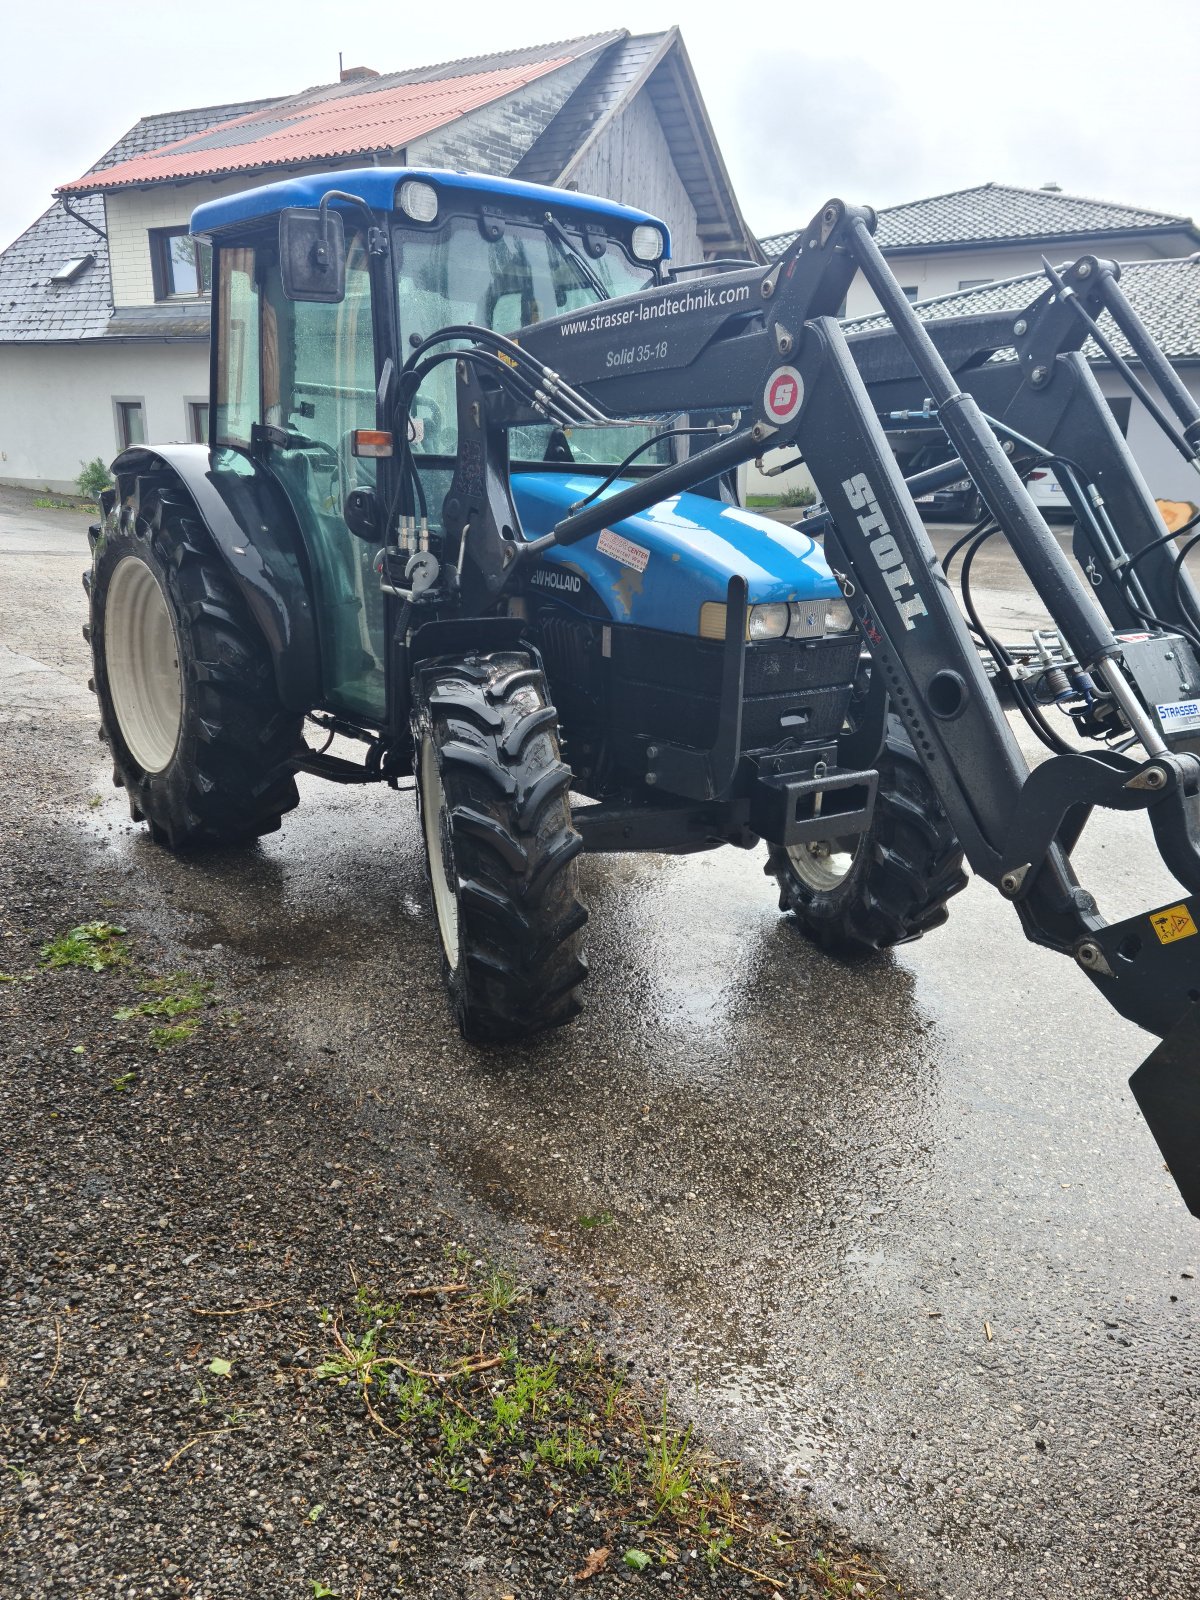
(175, 1003)
(96, 945)
(45, 503)
(668, 1465)
(568, 1449)
(176, 1033)
(175, 996)
(802, 496)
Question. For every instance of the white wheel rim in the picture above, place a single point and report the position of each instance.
(433, 815)
(822, 865)
(142, 662)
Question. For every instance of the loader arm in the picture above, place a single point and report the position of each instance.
(766, 341)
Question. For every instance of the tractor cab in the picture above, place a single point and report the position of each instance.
(315, 308)
(320, 295)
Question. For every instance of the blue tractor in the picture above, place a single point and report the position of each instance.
(315, 565)
(469, 504)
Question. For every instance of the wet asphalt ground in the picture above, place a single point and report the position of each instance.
(895, 1231)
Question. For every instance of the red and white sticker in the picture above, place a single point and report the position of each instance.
(783, 396)
(623, 550)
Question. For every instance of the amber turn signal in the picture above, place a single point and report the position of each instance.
(371, 442)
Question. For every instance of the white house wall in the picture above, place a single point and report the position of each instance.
(631, 163)
(56, 403)
(1166, 472)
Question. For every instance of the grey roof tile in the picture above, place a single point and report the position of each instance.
(34, 310)
(1165, 293)
(996, 213)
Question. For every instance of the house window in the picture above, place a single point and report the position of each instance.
(197, 421)
(910, 291)
(972, 283)
(131, 422)
(182, 265)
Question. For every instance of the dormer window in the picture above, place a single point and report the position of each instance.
(182, 265)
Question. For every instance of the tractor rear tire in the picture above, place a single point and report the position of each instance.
(889, 885)
(499, 845)
(188, 702)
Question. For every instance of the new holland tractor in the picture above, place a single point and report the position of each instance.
(469, 503)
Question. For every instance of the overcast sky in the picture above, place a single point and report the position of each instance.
(875, 102)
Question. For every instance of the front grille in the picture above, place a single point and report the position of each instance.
(668, 687)
(695, 664)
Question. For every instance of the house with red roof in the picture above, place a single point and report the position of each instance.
(104, 299)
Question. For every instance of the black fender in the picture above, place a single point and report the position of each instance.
(464, 635)
(254, 530)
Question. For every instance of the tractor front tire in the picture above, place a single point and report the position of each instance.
(499, 845)
(188, 703)
(886, 886)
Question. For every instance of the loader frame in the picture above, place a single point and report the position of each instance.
(768, 340)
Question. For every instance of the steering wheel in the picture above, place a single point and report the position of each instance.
(301, 442)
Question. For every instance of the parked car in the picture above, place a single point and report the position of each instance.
(960, 501)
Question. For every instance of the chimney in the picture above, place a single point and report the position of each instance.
(1054, 188)
(357, 74)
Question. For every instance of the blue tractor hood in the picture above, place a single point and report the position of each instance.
(687, 547)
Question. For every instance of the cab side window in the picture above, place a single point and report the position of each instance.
(238, 365)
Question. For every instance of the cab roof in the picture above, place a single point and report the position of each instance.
(378, 186)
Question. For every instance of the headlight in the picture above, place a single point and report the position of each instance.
(647, 242)
(418, 200)
(762, 622)
(767, 622)
(799, 619)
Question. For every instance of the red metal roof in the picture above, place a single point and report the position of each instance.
(324, 124)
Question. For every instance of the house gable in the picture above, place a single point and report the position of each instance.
(637, 130)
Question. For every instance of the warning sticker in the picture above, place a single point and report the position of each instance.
(783, 395)
(623, 550)
(1173, 923)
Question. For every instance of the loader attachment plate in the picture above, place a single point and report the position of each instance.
(1167, 1089)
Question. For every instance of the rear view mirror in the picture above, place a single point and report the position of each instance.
(312, 254)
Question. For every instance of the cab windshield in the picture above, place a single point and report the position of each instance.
(455, 275)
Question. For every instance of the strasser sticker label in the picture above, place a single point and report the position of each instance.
(623, 550)
(1181, 716)
(783, 395)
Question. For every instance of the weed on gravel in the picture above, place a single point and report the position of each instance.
(503, 1407)
(95, 945)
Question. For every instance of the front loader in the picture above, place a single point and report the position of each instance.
(468, 503)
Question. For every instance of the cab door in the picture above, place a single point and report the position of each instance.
(318, 387)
